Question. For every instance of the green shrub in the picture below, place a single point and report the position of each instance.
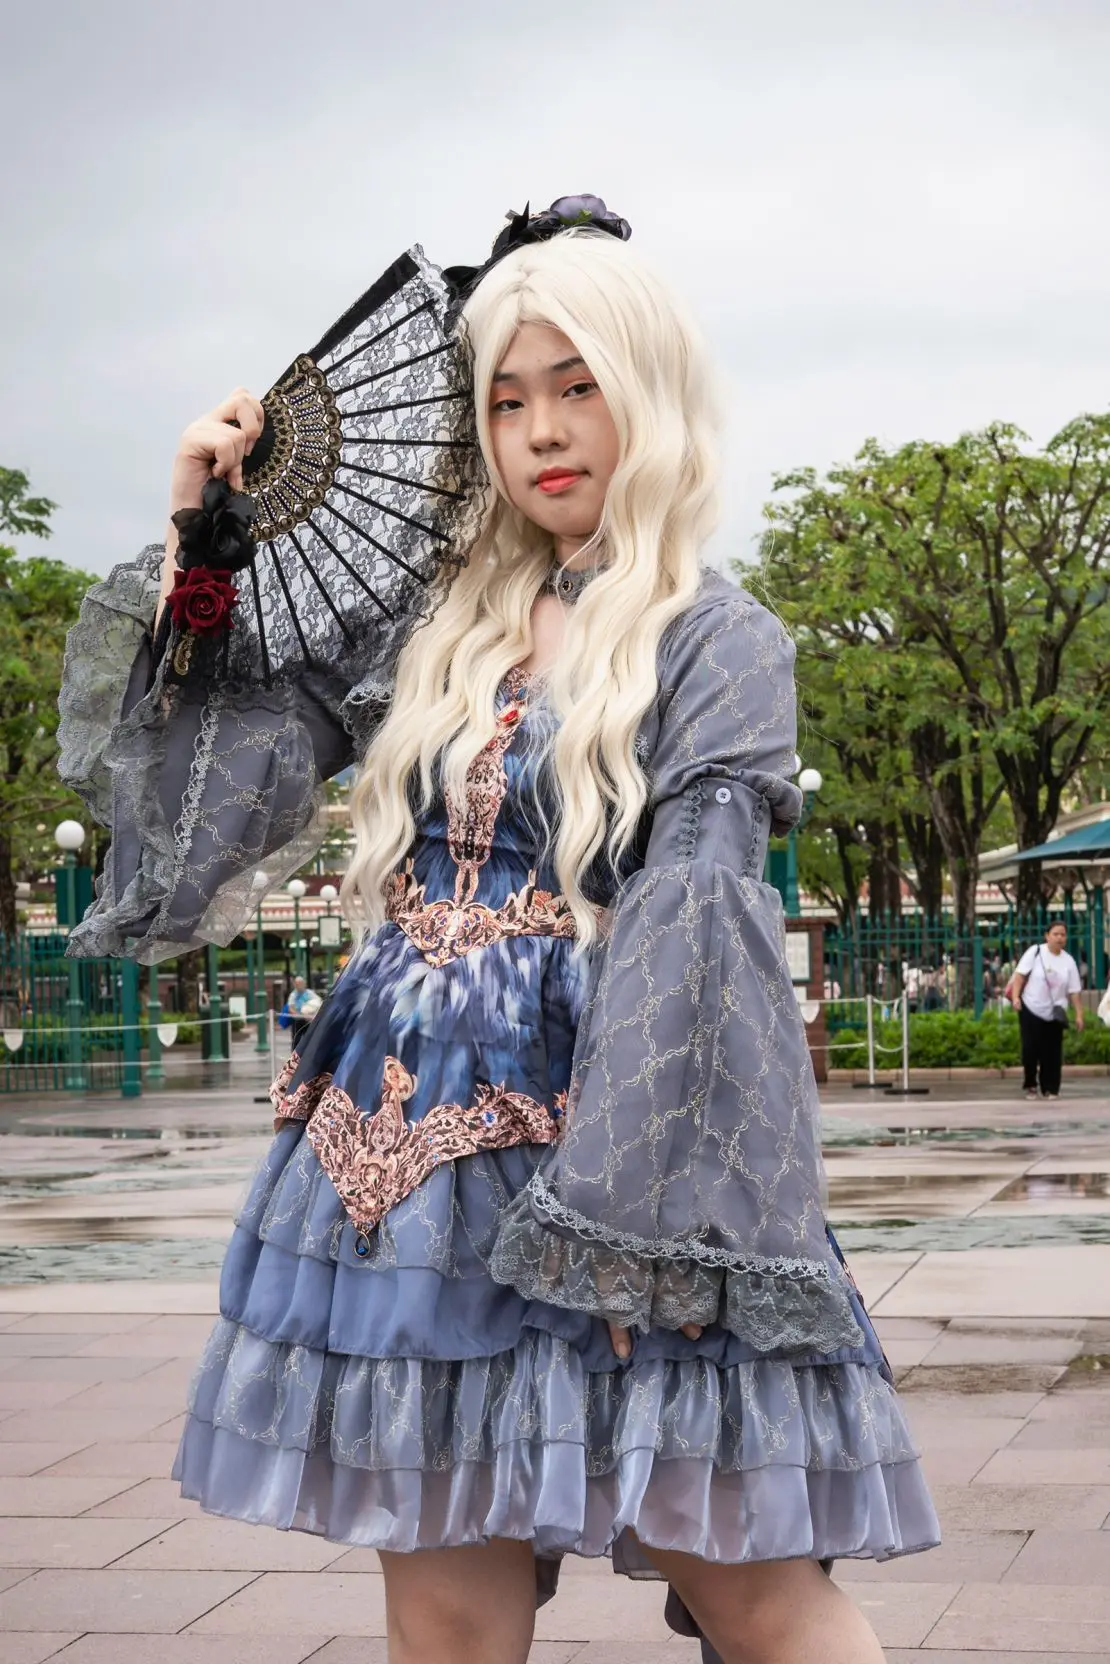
(960, 1040)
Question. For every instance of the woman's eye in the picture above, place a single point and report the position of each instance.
(503, 406)
(581, 388)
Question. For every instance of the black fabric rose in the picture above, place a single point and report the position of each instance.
(201, 600)
(217, 535)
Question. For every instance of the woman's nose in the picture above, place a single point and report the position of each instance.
(547, 429)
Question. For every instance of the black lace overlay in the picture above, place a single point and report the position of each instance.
(199, 791)
(206, 755)
(368, 487)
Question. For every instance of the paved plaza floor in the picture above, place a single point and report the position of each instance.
(979, 1229)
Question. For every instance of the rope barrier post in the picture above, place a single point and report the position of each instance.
(273, 1043)
(906, 1090)
(131, 1084)
(870, 1084)
(870, 1041)
(155, 1068)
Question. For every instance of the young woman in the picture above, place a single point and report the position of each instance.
(1045, 982)
(537, 1263)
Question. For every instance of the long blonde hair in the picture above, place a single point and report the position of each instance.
(660, 507)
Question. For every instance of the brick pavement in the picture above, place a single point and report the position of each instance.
(102, 1563)
(1003, 1355)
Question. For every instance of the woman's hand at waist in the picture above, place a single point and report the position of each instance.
(212, 447)
(621, 1339)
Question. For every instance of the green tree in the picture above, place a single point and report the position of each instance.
(39, 599)
(968, 580)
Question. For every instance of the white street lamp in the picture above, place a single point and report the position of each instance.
(69, 835)
(328, 894)
(297, 887)
(810, 780)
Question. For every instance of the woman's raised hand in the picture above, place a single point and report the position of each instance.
(213, 448)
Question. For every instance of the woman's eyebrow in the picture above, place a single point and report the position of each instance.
(501, 376)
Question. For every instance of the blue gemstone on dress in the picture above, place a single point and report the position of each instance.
(362, 1245)
(489, 1117)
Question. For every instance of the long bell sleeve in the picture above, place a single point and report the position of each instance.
(689, 1185)
(199, 789)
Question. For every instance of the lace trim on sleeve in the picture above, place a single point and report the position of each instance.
(114, 623)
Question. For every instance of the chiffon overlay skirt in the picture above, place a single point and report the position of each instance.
(378, 1387)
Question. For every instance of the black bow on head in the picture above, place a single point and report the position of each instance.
(526, 227)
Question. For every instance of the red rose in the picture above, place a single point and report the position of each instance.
(201, 600)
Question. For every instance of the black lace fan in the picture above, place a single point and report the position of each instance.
(366, 484)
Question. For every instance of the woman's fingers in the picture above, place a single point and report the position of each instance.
(227, 453)
(241, 407)
(621, 1340)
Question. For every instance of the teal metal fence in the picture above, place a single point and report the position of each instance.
(65, 1023)
(942, 969)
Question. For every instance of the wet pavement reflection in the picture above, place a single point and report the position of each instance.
(95, 1187)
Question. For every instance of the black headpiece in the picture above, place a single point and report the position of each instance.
(524, 228)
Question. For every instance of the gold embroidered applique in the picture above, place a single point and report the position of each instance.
(471, 821)
(298, 1105)
(445, 930)
(376, 1160)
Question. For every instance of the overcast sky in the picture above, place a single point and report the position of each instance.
(891, 218)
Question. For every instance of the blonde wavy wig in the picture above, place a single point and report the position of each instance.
(661, 505)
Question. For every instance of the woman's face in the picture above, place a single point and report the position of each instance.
(1056, 937)
(553, 438)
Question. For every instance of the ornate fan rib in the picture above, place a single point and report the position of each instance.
(404, 444)
(403, 404)
(266, 672)
(289, 603)
(394, 369)
(372, 340)
(315, 576)
(344, 562)
(399, 479)
(395, 513)
(389, 554)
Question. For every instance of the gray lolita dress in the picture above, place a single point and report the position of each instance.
(491, 1144)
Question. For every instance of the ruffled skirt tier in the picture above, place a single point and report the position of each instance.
(411, 1402)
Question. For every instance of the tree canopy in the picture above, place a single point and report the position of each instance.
(953, 643)
(39, 599)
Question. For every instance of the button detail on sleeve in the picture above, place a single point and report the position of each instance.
(723, 794)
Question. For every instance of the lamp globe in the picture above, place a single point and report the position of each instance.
(69, 835)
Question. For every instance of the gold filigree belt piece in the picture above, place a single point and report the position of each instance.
(376, 1160)
(445, 930)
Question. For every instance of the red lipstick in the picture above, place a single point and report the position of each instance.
(553, 480)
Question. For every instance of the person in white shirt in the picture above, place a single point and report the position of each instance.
(1045, 983)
